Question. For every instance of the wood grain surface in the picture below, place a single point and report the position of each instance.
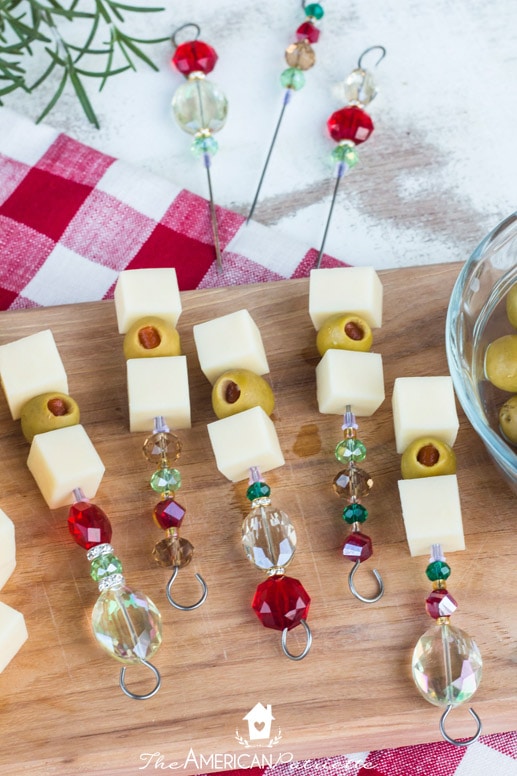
(61, 710)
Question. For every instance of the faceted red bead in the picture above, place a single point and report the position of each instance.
(281, 602)
(88, 524)
(358, 546)
(168, 514)
(440, 604)
(307, 31)
(194, 56)
(350, 123)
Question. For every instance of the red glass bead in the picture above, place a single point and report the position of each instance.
(168, 514)
(281, 602)
(307, 31)
(358, 546)
(350, 123)
(194, 56)
(88, 524)
(440, 604)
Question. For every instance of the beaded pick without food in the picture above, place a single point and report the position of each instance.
(200, 108)
(299, 57)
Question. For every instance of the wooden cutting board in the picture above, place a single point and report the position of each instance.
(61, 710)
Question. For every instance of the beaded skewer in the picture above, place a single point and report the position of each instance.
(299, 57)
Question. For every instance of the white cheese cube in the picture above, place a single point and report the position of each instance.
(345, 290)
(7, 548)
(158, 386)
(13, 633)
(30, 366)
(61, 461)
(244, 440)
(232, 341)
(432, 513)
(349, 377)
(424, 406)
(142, 292)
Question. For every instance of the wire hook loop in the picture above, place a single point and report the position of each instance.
(353, 588)
(307, 647)
(183, 608)
(454, 741)
(367, 51)
(133, 695)
(184, 27)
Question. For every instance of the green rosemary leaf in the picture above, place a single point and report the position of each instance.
(103, 74)
(110, 59)
(136, 51)
(55, 98)
(136, 8)
(83, 97)
(45, 75)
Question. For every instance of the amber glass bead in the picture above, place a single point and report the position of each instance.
(300, 55)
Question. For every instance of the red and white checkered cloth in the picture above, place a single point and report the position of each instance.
(71, 218)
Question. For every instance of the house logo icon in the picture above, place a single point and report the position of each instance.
(259, 720)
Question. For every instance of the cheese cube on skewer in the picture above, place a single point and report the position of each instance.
(158, 386)
(432, 513)
(245, 440)
(349, 377)
(61, 461)
(7, 548)
(345, 290)
(30, 366)
(424, 406)
(13, 633)
(231, 341)
(143, 292)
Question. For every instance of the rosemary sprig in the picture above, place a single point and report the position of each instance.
(27, 26)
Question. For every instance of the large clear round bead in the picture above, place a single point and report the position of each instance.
(127, 624)
(268, 537)
(199, 105)
(447, 665)
(359, 87)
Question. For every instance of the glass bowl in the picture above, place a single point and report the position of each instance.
(475, 317)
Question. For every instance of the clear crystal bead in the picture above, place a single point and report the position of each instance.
(268, 537)
(360, 87)
(447, 665)
(127, 624)
(199, 105)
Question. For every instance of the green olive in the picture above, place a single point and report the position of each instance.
(501, 362)
(511, 305)
(427, 457)
(240, 389)
(508, 420)
(344, 331)
(47, 412)
(151, 337)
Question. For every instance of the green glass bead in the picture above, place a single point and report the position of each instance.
(258, 490)
(314, 10)
(438, 569)
(199, 105)
(350, 450)
(345, 153)
(204, 144)
(355, 513)
(292, 78)
(104, 566)
(165, 480)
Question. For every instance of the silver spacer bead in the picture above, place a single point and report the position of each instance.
(111, 582)
(263, 501)
(99, 549)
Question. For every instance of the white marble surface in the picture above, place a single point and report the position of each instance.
(439, 171)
